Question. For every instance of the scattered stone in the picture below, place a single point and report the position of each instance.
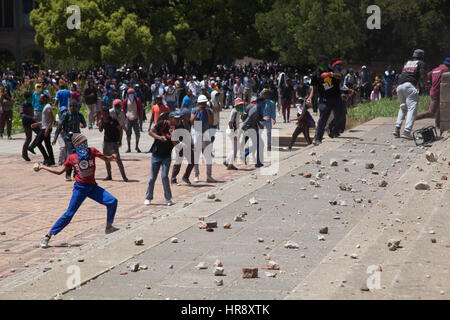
(393, 244)
(249, 273)
(239, 218)
(321, 238)
(430, 156)
(80, 260)
(186, 204)
(312, 153)
(26, 265)
(316, 196)
(138, 241)
(218, 271)
(123, 273)
(201, 225)
(342, 203)
(133, 267)
(218, 282)
(227, 225)
(291, 245)
(433, 240)
(431, 232)
(354, 256)
(332, 202)
(260, 240)
(444, 178)
(174, 240)
(219, 200)
(253, 201)
(333, 163)
(143, 267)
(318, 162)
(271, 265)
(323, 230)
(358, 246)
(218, 263)
(211, 224)
(271, 274)
(372, 151)
(171, 266)
(422, 185)
(302, 255)
(211, 196)
(2, 233)
(382, 184)
(442, 292)
(306, 175)
(209, 230)
(201, 265)
(147, 287)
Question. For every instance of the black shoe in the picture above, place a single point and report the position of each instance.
(107, 178)
(330, 134)
(125, 179)
(186, 180)
(231, 167)
(138, 150)
(173, 181)
(128, 151)
(258, 165)
(25, 157)
(31, 150)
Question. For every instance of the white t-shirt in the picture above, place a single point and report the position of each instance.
(46, 116)
(170, 93)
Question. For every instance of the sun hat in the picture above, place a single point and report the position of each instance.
(202, 98)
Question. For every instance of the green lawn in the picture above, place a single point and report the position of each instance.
(383, 108)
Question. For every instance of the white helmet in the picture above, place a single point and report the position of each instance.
(202, 98)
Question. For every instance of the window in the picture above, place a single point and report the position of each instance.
(6, 13)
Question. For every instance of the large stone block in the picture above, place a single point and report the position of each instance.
(445, 102)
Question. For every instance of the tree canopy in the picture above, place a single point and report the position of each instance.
(215, 31)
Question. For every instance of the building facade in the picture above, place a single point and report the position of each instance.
(16, 32)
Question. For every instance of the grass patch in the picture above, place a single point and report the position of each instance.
(364, 112)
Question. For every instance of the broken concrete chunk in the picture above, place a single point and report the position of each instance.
(174, 240)
(291, 245)
(249, 273)
(133, 267)
(323, 230)
(227, 225)
(382, 184)
(393, 244)
(253, 201)
(218, 271)
(211, 196)
(430, 156)
(333, 163)
(422, 185)
(201, 265)
(138, 241)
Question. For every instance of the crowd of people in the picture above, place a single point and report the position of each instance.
(185, 112)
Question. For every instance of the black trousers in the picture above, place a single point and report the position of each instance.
(40, 137)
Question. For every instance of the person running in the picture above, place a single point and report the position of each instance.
(304, 122)
(162, 155)
(112, 141)
(408, 93)
(83, 162)
(71, 121)
(326, 84)
(132, 108)
(434, 76)
(202, 116)
(45, 130)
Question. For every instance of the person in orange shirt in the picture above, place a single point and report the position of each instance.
(157, 109)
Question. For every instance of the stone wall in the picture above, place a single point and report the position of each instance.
(445, 102)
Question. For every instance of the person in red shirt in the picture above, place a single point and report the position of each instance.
(157, 109)
(83, 162)
(434, 76)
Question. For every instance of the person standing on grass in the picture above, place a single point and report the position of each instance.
(112, 141)
(45, 130)
(434, 76)
(6, 112)
(83, 162)
(408, 93)
(162, 155)
(71, 121)
(132, 108)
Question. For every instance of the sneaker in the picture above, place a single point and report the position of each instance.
(259, 165)
(110, 229)
(44, 242)
(31, 150)
(330, 134)
(169, 203)
(232, 167)
(68, 178)
(407, 135)
(186, 180)
(211, 180)
(147, 202)
(287, 149)
(128, 151)
(174, 181)
(125, 179)
(316, 142)
(10, 138)
(196, 180)
(138, 150)
(396, 132)
(25, 157)
(107, 178)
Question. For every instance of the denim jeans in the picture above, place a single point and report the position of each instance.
(325, 107)
(409, 95)
(156, 164)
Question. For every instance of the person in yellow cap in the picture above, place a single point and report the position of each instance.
(83, 162)
(37, 105)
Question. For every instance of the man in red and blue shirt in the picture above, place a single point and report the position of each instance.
(83, 162)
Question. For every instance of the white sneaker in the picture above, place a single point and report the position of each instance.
(44, 242)
(196, 179)
(147, 202)
(170, 203)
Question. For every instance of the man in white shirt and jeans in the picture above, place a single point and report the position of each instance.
(170, 95)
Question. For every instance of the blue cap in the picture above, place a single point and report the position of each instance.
(447, 61)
